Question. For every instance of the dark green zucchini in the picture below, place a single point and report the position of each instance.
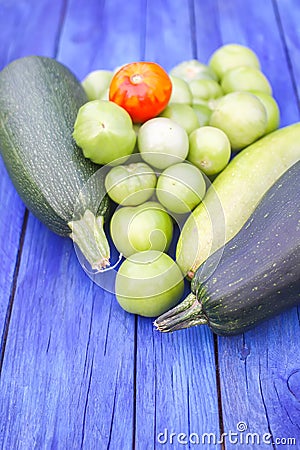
(39, 101)
(254, 276)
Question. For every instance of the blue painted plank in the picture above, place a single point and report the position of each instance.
(256, 369)
(146, 419)
(68, 368)
(102, 35)
(11, 222)
(263, 367)
(68, 378)
(68, 361)
(20, 34)
(207, 26)
(176, 389)
(169, 32)
(27, 29)
(288, 12)
(255, 24)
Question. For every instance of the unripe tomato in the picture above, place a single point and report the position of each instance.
(142, 88)
(149, 283)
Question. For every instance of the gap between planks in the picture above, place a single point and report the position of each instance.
(25, 219)
(286, 50)
(13, 290)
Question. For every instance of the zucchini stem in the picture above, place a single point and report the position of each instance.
(187, 314)
(88, 234)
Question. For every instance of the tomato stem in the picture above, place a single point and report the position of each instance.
(136, 78)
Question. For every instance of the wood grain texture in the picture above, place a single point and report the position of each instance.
(80, 373)
(74, 371)
(29, 27)
(259, 27)
(67, 369)
(20, 36)
(176, 388)
(264, 371)
(100, 34)
(256, 369)
(207, 29)
(169, 397)
(288, 18)
(169, 37)
(11, 222)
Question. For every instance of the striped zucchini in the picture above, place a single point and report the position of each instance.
(234, 195)
(254, 276)
(39, 101)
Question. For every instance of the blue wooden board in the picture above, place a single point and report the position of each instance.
(77, 372)
(18, 37)
(263, 366)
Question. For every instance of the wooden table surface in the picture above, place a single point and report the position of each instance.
(77, 372)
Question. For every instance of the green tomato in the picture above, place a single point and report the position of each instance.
(181, 92)
(245, 78)
(149, 283)
(182, 114)
(162, 142)
(203, 113)
(96, 84)
(130, 184)
(241, 116)
(104, 132)
(192, 70)
(136, 127)
(105, 95)
(272, 109)
(229, 56)
(209, 149)
(180, 188)
(205, 90)
(144, 227)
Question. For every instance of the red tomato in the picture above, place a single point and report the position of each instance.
(142, 88)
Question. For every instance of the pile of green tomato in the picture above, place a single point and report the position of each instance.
(159, 170)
